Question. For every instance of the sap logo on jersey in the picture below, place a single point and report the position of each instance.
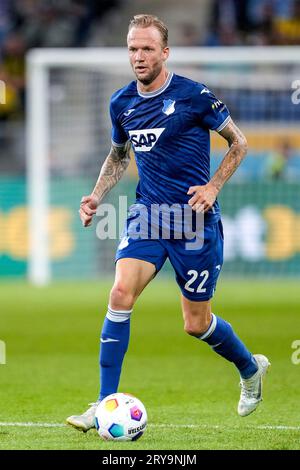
(144, 140)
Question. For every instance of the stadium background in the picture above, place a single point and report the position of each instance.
(260, 205)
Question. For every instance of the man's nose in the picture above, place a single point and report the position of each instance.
(139, 55)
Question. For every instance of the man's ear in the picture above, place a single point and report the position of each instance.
(166, 53)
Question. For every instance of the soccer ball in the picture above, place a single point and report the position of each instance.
(120, 417)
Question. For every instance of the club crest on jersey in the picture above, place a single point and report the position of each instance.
(169, 107)
(144, 140)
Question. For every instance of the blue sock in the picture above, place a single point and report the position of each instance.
(114, 344)
(223, 340)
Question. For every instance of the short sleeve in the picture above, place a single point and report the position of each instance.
(210, 112)
(118, 135)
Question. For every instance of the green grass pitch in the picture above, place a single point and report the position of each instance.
(191, 394)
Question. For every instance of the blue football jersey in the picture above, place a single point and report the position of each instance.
(169, 132)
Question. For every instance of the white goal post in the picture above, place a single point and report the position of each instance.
(41, 61)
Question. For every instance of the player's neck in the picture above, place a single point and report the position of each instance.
(159, 82)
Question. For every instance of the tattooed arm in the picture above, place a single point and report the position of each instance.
(237, 151)
(111, 172)
(204, 196)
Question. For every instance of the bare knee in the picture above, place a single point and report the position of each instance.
(121, 297)
(196, 326)
(197, 316)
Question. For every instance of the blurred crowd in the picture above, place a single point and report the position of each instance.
(254, 22)
(26, 24)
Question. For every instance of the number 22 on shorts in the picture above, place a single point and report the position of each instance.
(194, 276)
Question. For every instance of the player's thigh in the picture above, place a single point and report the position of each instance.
(134, 273)
(137, 262)
(131, 277)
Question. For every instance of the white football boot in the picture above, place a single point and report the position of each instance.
(86, 421)
(251, 389)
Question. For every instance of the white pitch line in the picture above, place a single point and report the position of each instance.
(216, 426)
(34, 425)
(180, 426)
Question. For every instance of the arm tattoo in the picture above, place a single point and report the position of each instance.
(237, 150)
(112, 169)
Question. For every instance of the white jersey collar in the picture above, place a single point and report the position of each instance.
(151, 94)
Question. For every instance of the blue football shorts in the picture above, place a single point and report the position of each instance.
(197, 270)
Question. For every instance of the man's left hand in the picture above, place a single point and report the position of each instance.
(203, 197)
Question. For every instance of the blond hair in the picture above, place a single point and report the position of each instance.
(145, 21)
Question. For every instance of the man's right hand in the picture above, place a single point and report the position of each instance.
(88, 208)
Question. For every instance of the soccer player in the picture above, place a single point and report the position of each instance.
(167, 118)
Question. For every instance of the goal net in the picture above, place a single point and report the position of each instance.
(68, 138)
